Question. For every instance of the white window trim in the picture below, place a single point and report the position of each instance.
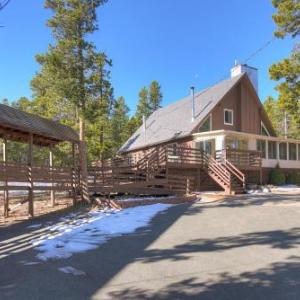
(229, 110)
(265, 128)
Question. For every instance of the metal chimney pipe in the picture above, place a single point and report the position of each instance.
(193, 102)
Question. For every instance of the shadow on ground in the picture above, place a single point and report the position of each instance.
(42, 280)
(278, 281)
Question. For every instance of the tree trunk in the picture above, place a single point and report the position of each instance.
(83, 162)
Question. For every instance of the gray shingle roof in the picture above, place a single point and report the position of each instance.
(175, 120)
(19, 120)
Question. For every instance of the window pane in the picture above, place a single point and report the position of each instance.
(205, 126)
(292, 151)
(282, 151)
(261, 146)
(232, 143)
(272, 150)
(228, 118)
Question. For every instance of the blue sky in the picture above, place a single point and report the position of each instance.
(179, 43)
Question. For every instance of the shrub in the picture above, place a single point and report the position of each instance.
(293, 177)
(277, 176)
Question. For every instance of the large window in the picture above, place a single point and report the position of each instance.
(261, 146)
(228, 116)
(292, 151)
(283, 151)
(234, 143)
(272, 150)
(206, 125)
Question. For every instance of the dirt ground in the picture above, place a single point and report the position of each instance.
(42, 206)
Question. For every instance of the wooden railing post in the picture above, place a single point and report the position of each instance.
(188, 186)
(73, 174)
(6, 199)
(52, 193)
(30, 179)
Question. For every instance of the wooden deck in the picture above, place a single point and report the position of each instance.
(174, 171)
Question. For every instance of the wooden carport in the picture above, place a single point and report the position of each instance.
(16, 125)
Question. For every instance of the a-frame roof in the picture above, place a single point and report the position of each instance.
(175, 120)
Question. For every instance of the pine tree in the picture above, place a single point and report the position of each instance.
(287, 72)
(155, 96)
(68, 75)
(143, 106)
(277, 117)
(119, 122)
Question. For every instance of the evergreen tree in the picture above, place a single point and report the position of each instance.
(119, 122)
(99, 112)
(287, 72)
(68, 75)
(155, 96)
(277, 117)
(143, 106)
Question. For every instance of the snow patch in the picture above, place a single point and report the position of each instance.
(34, 226)
(287, 188)
(133, 199)
(71, 270)
(79, 233)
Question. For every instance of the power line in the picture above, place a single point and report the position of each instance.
(3, 3)
(260, 49)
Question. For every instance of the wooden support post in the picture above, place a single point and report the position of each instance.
(73, 175)
(52, 193)
(83, 163)
(5, 196)
(30, 179)
(188, 186)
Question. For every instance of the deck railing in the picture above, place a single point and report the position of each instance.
(240, 158)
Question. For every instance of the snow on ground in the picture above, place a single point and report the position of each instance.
(71, 270)
(81, 232)
(287, 188)
(261, 191)
(137, 199)
(290, 188)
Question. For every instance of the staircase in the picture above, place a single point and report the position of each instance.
(225, 174)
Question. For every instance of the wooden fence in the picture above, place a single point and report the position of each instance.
(19, 178)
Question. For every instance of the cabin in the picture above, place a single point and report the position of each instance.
(218, 138)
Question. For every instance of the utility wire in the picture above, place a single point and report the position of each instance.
(3, 3)
(265, 45)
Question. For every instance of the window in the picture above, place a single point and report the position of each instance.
(207, 146)
(282, 151)
(174, 149)
(228, 116)
(261, 146)
(206, 125)
(272, 150)
(234, 143)
(263, 129)
(292, 151)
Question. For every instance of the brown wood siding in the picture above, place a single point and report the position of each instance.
(230, 101)
(247, 111)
